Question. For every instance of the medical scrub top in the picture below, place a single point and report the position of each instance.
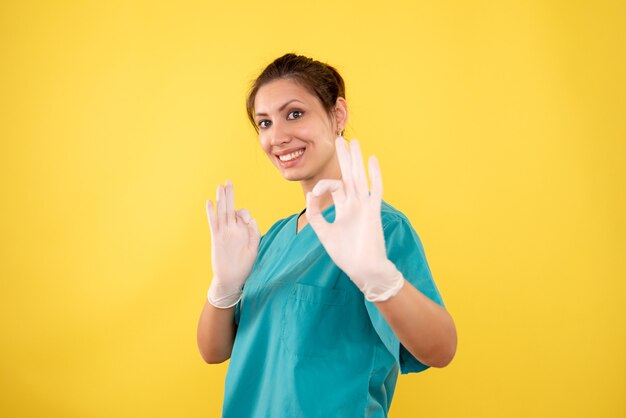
(308, 343)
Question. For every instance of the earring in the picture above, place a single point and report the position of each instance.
(339, 133)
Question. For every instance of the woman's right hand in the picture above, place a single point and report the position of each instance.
(235, 241)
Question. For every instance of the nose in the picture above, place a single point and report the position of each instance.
(280, 134)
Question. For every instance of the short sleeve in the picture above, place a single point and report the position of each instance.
(405, 250)
(237, 312)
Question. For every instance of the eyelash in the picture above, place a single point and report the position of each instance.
(300, 112)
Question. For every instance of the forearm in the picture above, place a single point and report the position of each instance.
(216, 333)
(423, 327)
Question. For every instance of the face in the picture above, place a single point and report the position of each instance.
(296, 132)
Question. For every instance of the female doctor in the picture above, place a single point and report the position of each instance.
(320, 314)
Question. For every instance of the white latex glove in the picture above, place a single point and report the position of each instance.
(355, 240)
(234, 246)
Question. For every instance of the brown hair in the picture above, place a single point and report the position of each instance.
(318, 78)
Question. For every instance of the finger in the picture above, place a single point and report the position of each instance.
(334, 187)
(244, 215)
(358, 169)
(211, 216)
(254, 235)
(344, 164)
(221, 206)
(230, 202)
(314, 215)
(376, 179)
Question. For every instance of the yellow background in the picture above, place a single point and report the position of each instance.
(500, 131)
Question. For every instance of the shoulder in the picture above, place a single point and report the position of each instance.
(398, 230)
(393, 218)
(278, 226)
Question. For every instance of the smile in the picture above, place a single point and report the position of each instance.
(291, 156)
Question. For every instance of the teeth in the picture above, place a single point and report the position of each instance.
(291, 156)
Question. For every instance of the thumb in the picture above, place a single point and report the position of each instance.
(254, 235)
(244, 215)
(314, 215)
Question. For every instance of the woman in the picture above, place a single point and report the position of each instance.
(319, 314)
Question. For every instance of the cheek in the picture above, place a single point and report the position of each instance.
(264, 143)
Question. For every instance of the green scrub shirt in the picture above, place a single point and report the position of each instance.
(308, 343)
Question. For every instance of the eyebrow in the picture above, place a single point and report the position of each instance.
(280, 109)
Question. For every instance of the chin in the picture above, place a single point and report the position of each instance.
(291, 177)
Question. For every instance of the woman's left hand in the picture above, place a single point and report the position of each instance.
(355, 240)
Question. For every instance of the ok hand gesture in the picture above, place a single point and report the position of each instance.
(355, 240)
(234, 246)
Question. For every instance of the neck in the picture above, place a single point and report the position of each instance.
(326, 199)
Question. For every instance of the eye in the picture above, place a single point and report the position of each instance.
(264, 123)
(295, 114)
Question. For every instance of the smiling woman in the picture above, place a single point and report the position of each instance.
(320, 314)
(297, 133)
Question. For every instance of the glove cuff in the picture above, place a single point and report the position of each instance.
(385, 287)
(223, 296)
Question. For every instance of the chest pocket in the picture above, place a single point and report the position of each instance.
(319, 321)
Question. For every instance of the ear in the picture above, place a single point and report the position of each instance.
(341, 113)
